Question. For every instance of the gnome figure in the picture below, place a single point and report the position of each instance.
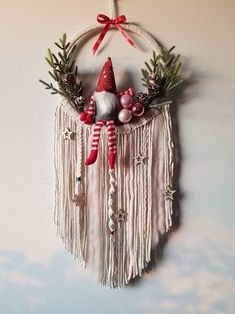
(104, 107)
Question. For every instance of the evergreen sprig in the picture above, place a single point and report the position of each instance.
(160, 76)
(61, 64)
(164, 69)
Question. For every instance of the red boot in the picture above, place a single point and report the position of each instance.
(112, 158)
(92, 158)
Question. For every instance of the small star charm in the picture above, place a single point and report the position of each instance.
(79, 199)
(168, 193)
(68, 134)
(140, 159)
(121, 216)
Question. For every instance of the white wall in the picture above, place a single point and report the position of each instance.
(197, 273)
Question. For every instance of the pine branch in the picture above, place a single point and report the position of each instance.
(161, 75)
(49, 62)
(58, 45)
(51, 87)
(53, 76)
(61, 64)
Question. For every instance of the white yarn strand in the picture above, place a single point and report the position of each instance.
(112, 190)
(80, 189)
(112, 229)
(169, 164)
(112, 9)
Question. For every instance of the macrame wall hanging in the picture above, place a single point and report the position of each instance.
(113, 157)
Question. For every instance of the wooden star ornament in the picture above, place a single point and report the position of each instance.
(121, 216)
(139, 159)
(79, 199)
(68, 134)
(168, 193)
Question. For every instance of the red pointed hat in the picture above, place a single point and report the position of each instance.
(107, 80)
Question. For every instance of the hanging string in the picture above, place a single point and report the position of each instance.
(112, 9)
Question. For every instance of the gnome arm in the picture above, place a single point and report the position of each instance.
(87, 116)
(91, 108)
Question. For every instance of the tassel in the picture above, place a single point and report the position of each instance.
(112, 189)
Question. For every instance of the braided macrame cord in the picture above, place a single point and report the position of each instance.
(88, 201)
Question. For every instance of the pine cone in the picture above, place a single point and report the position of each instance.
(77, 89)
(155, 85)
(154, 92)
(153, 78)
(70, 82)
(143, 98)
(69, 78)
(79, 103)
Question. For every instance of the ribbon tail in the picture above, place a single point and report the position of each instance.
(124, 34)
(100, 38)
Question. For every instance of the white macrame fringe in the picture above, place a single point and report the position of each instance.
(136, 189)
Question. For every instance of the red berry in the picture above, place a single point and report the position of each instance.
(83, 115)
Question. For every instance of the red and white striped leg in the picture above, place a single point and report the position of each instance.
(112, 143)
(95, 142)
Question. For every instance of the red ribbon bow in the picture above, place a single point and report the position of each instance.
(130, 91)
(104, 19)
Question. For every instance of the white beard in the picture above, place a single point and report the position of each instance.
(106, 105)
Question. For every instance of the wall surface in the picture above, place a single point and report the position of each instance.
(197, 272)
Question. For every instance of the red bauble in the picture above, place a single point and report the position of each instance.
(137, 109)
